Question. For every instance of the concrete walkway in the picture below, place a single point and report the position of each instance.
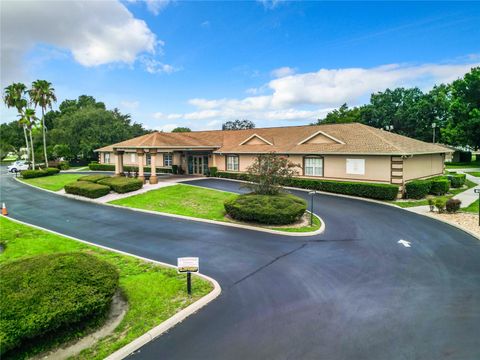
(163, 181)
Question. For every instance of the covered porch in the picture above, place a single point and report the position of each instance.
(179, 161)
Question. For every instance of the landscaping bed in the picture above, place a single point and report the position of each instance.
(154, 293)
(192, 201)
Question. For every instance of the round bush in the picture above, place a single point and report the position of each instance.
(87, 189)
(417, 189)
(121, 184)
(43, 294)
(93, 178)
(266, 209)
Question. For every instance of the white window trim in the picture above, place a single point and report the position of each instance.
(170, 155)
(105, 156)
(237, 163)
(132, 158)
(314, 167)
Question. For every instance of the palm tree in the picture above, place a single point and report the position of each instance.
(42, 94)
(13, 97)
(28, 119)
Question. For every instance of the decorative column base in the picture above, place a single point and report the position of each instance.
(141, 178)
(153, 180)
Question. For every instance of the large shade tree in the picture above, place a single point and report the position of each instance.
(43, 94)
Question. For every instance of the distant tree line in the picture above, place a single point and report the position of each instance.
(453, 108)
(72, 132)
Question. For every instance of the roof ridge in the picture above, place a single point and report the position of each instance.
(374, 132)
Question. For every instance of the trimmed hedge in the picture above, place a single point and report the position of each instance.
(362, 189)
(93, 178)
(45, 294)
(87, 189)
(439, 186)
(30, 174)
(280, 209)
(417, 189)
(109, 167)
(122, 184)
(212, 171)
(457, 180)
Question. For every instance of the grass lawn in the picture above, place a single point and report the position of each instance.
(474, 173)
(154, 293)
(460, 165)
(452, 192)
(190, 201)
(54, 182)
(472, 208)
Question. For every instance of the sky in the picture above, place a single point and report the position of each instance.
(199, 64)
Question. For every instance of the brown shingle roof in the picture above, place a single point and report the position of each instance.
(357, 139)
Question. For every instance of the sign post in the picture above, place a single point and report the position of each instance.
(312, 194)
(188, 265)
(477, 191)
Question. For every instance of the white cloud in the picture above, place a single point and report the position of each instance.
(157, 67)
(309, 96)
(166, 127)
(156, 6)
(270, 4)
(94, 32)
(282, 72)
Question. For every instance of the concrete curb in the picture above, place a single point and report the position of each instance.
(165, 325)
(240, 226)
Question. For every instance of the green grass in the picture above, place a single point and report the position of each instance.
(316, 225)
(451, 193)
(154, 293)
(54, 182)
(190, 201)
(474, 173)
(472, 208)
(460, 165)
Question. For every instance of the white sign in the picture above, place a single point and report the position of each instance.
(355, 166)
(187, 264)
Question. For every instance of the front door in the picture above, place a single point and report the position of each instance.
(197, 162)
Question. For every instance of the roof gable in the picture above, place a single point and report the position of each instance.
(320, 137)
(255, 139)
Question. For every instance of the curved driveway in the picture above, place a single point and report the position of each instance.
(352, 292)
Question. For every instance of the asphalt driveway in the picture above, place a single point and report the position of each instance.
(352, 292)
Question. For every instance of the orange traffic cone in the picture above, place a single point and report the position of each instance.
(4, 210)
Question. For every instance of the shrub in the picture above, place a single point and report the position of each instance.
(93, 178)
(457, 180)
(439, 186)
(278, 209)
(213, 171)
(175, 169)
(44, 294)
(30, 174)
(87, 189)
(110, 167)
(431, 202)
(453, 205)
(122, 184)
(440, 204)
(362, 189)
(63, 165)
(417, 189)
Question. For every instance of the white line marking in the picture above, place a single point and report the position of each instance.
(404, 243)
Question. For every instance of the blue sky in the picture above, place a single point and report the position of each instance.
(198, 64)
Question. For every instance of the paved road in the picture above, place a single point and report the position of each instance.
(350, 293)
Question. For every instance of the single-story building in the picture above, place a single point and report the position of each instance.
(354, 152)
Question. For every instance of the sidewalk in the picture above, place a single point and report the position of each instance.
(469, 196)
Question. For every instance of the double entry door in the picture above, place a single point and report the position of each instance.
(199, 164)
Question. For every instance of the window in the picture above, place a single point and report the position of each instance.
(167, 159)
(314, 166)
(148, 159)
(356, 166)
(132, 158)
(106, 158)
(232, 162)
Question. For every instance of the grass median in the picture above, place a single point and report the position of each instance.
(472, 208)
(194, 202)
(154, 293)
(54, 182)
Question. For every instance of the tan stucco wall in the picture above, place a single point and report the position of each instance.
(133, 161)
(420, 166)
(377, 168)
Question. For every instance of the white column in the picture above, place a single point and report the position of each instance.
(153, 166)
(118, 163)
(140, 155)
